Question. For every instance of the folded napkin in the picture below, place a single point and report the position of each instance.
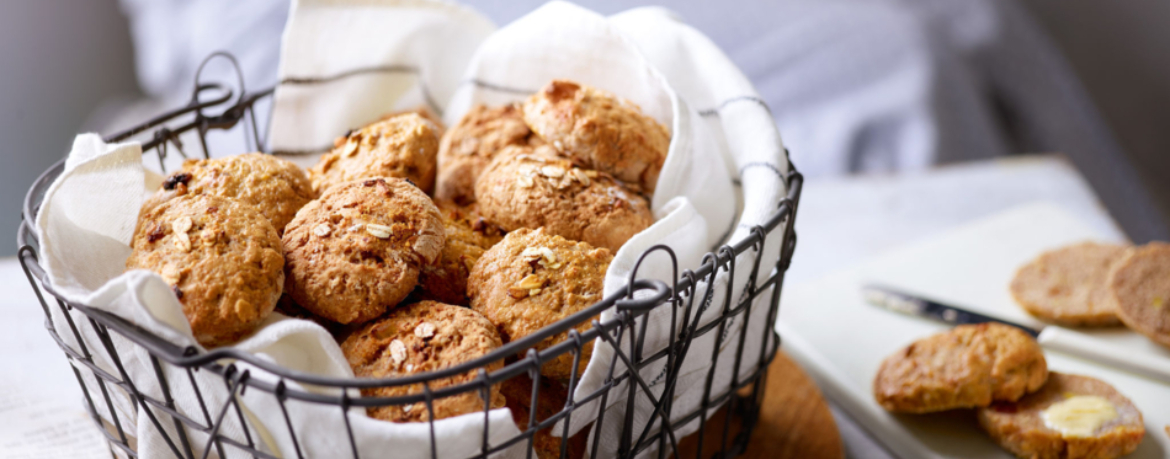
(344, 64)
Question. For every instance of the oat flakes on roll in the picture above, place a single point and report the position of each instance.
(1068, 286)
(419, 338)
(275, 187)
(357, 250)
(221, 257)
(531, 187)
(403, 146)
(468, 147)
(966, 367)
(1140, 287)
(533, 279)
(598, 130)
(1070, 417)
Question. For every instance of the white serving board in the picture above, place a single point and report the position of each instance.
(840, 339)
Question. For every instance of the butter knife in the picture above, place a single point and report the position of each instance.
(1050, 337)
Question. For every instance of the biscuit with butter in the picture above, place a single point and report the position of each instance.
(1071, 416)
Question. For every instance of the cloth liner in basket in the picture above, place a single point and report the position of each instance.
(347, 62)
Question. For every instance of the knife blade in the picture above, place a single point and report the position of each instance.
(918, 306)
(1050, 337)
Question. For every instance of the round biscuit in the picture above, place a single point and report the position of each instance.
(968, 366)
(531, 280)
(468, 147)
(1067, 286)
(1140, 287)
(599, 131)
(221, 257)
(527, 187)
(419, 338)
(356, 251)
(402, 146)
(275, 187)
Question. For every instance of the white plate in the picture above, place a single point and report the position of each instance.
(840, 339)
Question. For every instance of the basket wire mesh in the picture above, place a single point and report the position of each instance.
(690, 293)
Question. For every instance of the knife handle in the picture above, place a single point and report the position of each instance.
(1093, 349)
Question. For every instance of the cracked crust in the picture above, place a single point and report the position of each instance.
(1068, 286)
(419, 338)
(527, 187)
(467, 149)
(599, 131)
(356, 251)
(1140, 288)
(403, 146)
(468, 236)
(275, 187)
(221, 257)
(1018, 427)
(531, 280)
(968, 366)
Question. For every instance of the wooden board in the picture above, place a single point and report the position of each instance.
(794, 421)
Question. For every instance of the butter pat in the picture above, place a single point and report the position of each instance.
(1079, 416)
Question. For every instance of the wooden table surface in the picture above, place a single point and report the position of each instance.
(795, 421)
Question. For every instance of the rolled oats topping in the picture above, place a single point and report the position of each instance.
(531, 254)
(322, 230)
(397, 351)
(170, 274)
(182, 241)
(552, 171)
(182, 224)
(379, 231)
(425, 330)
(580, 176)
(351, 147)
(530, 282)
(548, 254)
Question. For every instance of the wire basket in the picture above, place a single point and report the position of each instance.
(742, 399)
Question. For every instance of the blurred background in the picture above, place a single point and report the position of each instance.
(856, 86)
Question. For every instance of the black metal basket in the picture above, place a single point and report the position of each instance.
(742, 399)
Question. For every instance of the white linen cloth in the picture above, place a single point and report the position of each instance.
(347, 62)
